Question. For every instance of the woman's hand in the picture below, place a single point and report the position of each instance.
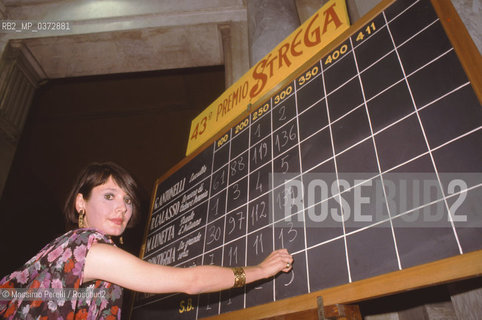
(278, 260)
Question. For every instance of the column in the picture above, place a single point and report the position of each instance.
(466, 296)
(235, 48)
(358, 8)
(20, 74)
(269, 22)
(307, 8)
(3, 11)
(470, 12)
(225, 30)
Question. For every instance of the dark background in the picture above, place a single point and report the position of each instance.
(141, 121)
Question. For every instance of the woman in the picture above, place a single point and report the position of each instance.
(103, 202)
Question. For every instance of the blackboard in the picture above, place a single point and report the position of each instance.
(367, 162)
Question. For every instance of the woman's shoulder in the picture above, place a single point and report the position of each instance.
(77, 238)
(84, 235)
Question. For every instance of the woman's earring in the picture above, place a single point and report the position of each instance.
(81, 218)
(121, 240)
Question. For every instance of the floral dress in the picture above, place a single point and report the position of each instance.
(59, 265)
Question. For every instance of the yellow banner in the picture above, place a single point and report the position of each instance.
(306, 41)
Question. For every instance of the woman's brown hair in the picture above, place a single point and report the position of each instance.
(94, 175)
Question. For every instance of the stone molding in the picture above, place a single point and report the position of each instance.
(26, 61)
(225, 30)
(3, 10)
(20, 75)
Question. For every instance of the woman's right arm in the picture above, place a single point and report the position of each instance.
(109, 263)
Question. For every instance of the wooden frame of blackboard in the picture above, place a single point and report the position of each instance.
(443, 271)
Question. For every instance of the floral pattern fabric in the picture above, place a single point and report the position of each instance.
(60, 265)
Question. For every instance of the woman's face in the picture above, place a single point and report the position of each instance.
(108, 208)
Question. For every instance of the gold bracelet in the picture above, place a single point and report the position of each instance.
(239, 277)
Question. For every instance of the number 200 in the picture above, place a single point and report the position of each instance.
(241, 126)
